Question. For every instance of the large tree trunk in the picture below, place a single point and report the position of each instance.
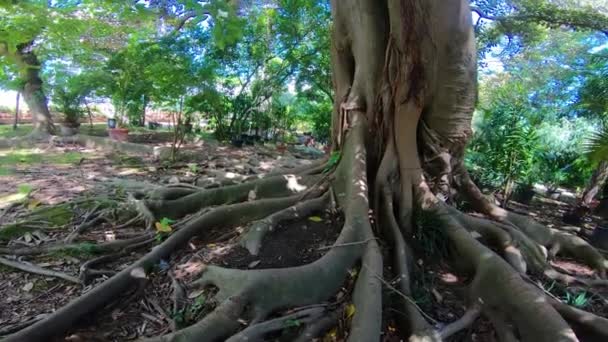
(33, 93)
(404, 72)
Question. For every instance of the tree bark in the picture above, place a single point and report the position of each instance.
(16, 121)
(584, 206)
(597, 181)
(33, 93)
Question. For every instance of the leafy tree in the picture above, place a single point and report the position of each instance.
(525, 22)
(35, 28)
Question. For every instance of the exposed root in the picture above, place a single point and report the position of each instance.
(254, 294)
(367, 297)
(84, 225)
(317, 328)
(31, 268)
(100, 248)
(568, 280)
(252, 239)
(257, 332)
(20, 326)
(505, 332)
(588, 327)
(65, 317)
(314, 168)
(557, 242)
(87, 273)
(500, 239)
(271, 187)
(463, 322)
(501, 290)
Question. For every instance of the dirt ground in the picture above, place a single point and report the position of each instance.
(35, 178)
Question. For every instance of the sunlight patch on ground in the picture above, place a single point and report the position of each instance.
(8, 199)
(267, 165)
(130, 171)
(293, 184)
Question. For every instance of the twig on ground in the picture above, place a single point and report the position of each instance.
(83, 225)
(347, 244)
(401, 294)
(31, 268)
(9, 329)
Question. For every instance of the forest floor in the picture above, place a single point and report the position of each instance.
(35, 178)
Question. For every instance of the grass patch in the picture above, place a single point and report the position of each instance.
(98, 130)
(24, 157)
(122, 159)
(7, 131)
(430, 237)
(11, 231)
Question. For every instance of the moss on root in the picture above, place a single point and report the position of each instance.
(81, 250)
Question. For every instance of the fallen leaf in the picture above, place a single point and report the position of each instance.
(315, 219)
(350, 310)
(33, 203)
(254, 264)
(28, 287)
(331, 335)
(164, 228)
(195, 294)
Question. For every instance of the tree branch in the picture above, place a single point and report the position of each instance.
(547, 19)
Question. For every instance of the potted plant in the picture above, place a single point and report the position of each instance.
(118, 132)
(71, 121)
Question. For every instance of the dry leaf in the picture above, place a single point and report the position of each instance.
(331, 335)
(350, 310)
(33, 203)
(28, 287)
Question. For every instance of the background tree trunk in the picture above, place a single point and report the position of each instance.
(33, 93)
(597, 181)
(16, 121)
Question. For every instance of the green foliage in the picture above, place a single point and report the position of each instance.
(542, 92)
(505, 147)
(333, 160)
(84, 249)
(527, 22)
(163, 229)
(430, 235)
(579, 300)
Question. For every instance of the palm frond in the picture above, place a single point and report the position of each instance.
(596, 147)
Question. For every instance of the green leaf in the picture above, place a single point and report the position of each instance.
(315, 219)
